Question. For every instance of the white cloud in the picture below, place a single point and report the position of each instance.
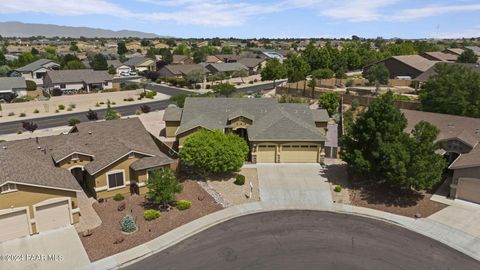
(467, 33)
(430, 11)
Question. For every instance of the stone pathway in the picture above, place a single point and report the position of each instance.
(89, 218)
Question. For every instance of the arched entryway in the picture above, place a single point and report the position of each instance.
(242, 132)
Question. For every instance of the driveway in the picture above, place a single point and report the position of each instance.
(461, 215)
(56, 249)
(293, 182)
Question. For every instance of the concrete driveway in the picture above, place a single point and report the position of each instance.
(461, 215)
(293, 182)
(56, 249)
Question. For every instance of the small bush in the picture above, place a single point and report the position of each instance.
(184, 205)
(118, 197)
(56, 92)
(101, 102)
(72, 105)
(337, 189)
(145, 108)
(22, 114)
(239, 179)
(114, 103)
(97, 104)
(208, 86)
(69, 109)
(61, 107)
(57, 111)
(128, 224)
(250, 82)
(73, 121)
(256, 80)
(198, 86)
(151, 214)
(11, 114)
(31, 85)
(36, 111)
(19, 132)
(150, 94)
(22, 99)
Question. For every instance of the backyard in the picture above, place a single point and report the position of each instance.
(102, 242)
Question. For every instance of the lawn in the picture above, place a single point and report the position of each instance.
(101, 243)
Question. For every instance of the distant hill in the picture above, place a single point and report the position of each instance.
(19, 29)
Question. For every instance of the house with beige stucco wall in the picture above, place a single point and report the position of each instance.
(40, 177)
(275, 132)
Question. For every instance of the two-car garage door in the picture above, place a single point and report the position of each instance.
(52, 215)
(289, 153)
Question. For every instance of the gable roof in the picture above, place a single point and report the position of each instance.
(251, 62)
(137, 60)
(456, 51)
(271, 120)
(35, 65)
(172, 114)
(425, 76)
(226, 67)
(79, 75)
(11, 83)
(415, 61)
(441, 56)
(180, 70)
(114, 63)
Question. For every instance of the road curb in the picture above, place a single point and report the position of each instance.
(458, 240)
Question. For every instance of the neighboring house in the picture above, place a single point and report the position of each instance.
(119, 67)
(141, 63)
(425, 76)
(35, 71)
(459, 138)
(102, 158)
(273, 54)
(275, 132)
(212, 59)
(456, 51)
(254, 65)
(226, 67)
(404, 66)
(440, 56)
(78, 79)
(179, 59)
(12, 86)
(475, 49)
(228, 58)
(169, 71)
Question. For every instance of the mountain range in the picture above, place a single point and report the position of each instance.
(19, 29)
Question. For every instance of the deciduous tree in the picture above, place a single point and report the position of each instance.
(163, 186)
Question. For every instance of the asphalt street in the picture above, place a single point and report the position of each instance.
(307, 240)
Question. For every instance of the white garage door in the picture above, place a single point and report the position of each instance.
(299, 154)
(14, 224)
(469, 189)
(266, 153)
(53, 215)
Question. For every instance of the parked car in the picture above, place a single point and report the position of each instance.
(133, 73)
(124, 73)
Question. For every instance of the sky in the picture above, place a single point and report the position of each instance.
(261, 18)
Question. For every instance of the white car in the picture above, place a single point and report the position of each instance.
(133, 73)
(124, 74)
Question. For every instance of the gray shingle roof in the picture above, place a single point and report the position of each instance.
(180, 70)
(149, 162)
(34, 65)
(226, 67)
(425, 76)
(416, 61)
(9, 83)
(114, 63)
(79, 75)
(251, 62)
(320, 115)
(172, 114)
(272, 120)
(137, 60)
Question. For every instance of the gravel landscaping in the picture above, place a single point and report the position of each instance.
(235, 194)
(101, 243)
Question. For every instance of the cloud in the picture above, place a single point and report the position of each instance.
(473, 32)
(430, 11)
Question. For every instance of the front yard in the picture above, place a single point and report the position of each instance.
(237, 194)
(101, 243)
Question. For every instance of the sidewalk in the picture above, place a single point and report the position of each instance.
(456, 239)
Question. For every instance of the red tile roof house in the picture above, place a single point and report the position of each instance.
(459, 138)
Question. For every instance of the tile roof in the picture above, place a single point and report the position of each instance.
(416, 61)
(9, 83)
(34, 65)
(465, 129)
(79, 75)
(272, 120)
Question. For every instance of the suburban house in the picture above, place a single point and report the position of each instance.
(228, 58)
(141, 63)
(459, 138)
(456, 51)
(273, 54)
(254, 64)
(179, 59)
(99, 158)
(226, 67)
(12, 86)
(119, 67)
(404, 66)
(440, 56)
(212, 59)
(425, 76)
(78, 79)
(181, 70)
(35, 71)
(275, 132)
(475, 49)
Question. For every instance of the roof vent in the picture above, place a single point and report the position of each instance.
(38, 147)
(451, 125)
(90, 132)
(4, 147)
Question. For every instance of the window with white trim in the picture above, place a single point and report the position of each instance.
(9, 187)
(116, 179)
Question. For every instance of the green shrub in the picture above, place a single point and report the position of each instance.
(150, 94)
(239, 179)
(97, 104)
(337, 189)
(73, 121)
(128, 224)
(22, 114)
(61, 107)
(184, 205)
(22, 99)
(198, 86)
(19, 132)
(151, 214)
(101, 102)
(69, 109)
(208, 86)
(36, 111)
(11, 114)
(118, 197)
(31, 85)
